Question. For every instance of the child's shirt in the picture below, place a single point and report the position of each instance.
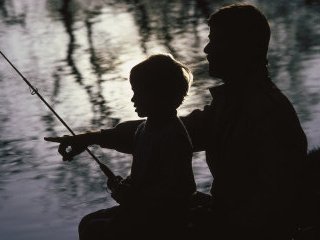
(162, 163)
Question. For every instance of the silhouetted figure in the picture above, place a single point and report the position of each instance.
(254, 144)
(154, 199)
(253, 139)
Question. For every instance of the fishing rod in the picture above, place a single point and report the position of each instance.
(103, 167)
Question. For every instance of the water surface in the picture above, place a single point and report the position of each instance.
(78, 54)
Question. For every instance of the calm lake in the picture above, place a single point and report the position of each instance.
(78, 54)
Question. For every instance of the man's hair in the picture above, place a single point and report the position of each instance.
(245, 24)
(164, 77)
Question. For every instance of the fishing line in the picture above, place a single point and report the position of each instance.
(34, 91)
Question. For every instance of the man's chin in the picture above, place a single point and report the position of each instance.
(141, 114)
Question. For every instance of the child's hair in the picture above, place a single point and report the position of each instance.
(164, 78)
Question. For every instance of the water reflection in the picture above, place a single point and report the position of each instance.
(294, 44)
(95, 95)
(79, 54)
(10, 14)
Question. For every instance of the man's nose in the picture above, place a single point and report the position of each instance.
(206, 48)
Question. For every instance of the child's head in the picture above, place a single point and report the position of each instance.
(159, 84)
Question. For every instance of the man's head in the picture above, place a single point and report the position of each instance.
(159, 84)
(238, 40)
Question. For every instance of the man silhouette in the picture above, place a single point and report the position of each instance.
(253, 140)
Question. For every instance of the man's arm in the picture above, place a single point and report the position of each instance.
(119, 138)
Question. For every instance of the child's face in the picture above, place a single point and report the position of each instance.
(141, 100)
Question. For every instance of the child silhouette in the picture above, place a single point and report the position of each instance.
(154, 199)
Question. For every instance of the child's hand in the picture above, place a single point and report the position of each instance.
(120, 189)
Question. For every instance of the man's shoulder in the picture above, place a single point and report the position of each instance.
(270, 109)
(270, 106)
(268, 102)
